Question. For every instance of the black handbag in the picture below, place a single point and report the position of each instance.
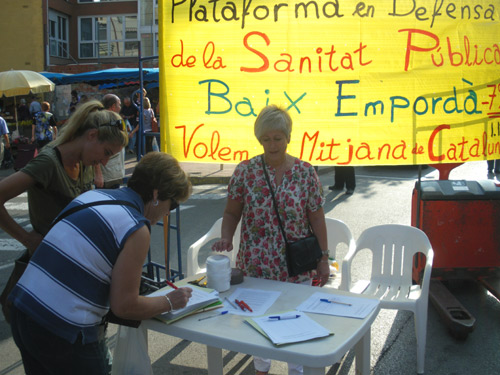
(302, 255)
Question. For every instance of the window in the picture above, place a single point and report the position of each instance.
(110, 36)
(148, 11)
(58, 35)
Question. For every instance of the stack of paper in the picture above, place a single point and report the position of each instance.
(288, 328)
(201, 299)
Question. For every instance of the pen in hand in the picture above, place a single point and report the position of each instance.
(337, 302)
(171, 284)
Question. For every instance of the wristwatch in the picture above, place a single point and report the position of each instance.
(325, 253)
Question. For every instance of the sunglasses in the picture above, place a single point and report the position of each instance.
(117, 123)
(173, 204)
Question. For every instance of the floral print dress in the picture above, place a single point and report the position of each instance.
(262, 248)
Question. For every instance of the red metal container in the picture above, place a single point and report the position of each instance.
(462, 220)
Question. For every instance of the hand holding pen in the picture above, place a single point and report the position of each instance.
(179, 297)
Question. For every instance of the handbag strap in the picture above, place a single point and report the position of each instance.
(274, 199)
(91, 204)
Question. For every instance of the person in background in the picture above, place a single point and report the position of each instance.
(35, 106)
(5, 151)
(44, 129)
(298, 194)
(149, 118)
(493, 166)
(83, 99)
(73, 102)
(62, 170)
(136, 97)
(23, 111)
(103, 248)
(130, 113)
(110, 176)
(344, 176)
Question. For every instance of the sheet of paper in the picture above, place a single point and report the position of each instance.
(351, 307)
(289, 331)
(258, 300)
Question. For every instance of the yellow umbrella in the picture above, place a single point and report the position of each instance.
(23, 82)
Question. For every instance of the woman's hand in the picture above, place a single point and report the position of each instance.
(223, 245)
(323, 272)
(180, 297)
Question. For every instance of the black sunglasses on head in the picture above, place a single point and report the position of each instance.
(117, 123)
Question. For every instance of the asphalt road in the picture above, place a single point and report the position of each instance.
(383, 195)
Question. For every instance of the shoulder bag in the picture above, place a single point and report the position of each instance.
(302, 255)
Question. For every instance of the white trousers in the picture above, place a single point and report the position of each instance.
(264, 364)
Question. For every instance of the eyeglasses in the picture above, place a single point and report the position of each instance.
(117, 123)
(173, 204)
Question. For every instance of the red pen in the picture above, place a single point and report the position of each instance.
(169, 283)
(240, 304)
(246, 306)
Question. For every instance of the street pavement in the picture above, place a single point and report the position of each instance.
(382, 195)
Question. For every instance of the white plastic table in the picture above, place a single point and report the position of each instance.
(232, 333)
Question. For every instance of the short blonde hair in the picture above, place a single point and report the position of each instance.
(92, 115)
(272, 118)
(161, 171)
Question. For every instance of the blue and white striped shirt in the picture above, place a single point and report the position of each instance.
(66, 285)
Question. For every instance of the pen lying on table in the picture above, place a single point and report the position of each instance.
(284, 317)
(213, 316)
(337, 302)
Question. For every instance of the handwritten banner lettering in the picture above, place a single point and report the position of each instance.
(366, 83)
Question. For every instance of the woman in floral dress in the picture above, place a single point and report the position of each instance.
(298, 193)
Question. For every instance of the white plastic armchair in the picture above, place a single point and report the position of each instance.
(393, 247)
(193, 265)
(338, 232)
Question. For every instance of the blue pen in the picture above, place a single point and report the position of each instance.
(337, 302)
(213, 316)
(277, 317)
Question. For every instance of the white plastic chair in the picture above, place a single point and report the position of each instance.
(393, 247)
(338, 232)
(193, 266)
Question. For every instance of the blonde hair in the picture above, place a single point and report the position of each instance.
(271, 118)
(92, 115)
(161, 171)
(146, 104)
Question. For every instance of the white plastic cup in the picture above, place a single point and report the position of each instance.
(218, 273)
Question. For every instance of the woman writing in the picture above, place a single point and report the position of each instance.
(90, 261)
(298, 194)
(62, 170)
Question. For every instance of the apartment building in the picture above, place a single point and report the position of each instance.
(74, 36)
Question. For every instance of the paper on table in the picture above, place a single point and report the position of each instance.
(360, 307)
(258, 300)
(289, 331)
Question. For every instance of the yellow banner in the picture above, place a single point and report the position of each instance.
(398, 82)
